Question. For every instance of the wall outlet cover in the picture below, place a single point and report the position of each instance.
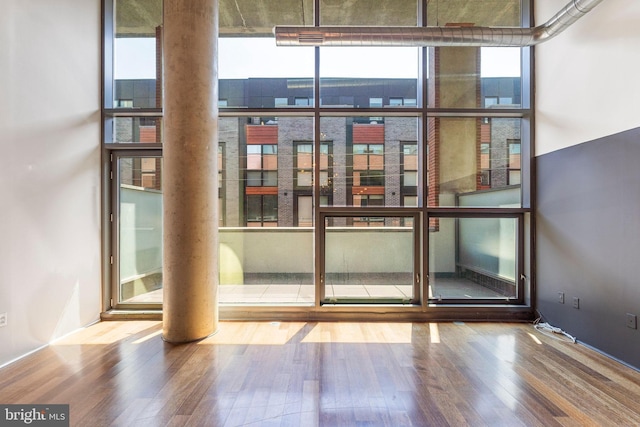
(632, 321)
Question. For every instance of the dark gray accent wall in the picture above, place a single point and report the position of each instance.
(588, 242)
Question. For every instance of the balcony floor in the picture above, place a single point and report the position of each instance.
(304, 294)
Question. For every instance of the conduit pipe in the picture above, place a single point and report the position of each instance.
(434, 36)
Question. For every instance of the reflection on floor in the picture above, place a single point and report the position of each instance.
(325, 374)
(305, 294)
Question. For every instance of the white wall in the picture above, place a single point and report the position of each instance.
(587, 82)
(49, 170)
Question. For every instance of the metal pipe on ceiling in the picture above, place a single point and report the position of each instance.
(434, 36)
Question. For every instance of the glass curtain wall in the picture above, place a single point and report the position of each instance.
(346, 174)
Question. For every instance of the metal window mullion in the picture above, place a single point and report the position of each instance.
(317, 148)
(318, 219)
(521, 277)
(115, 229)
(417, 264)
(106, 93)
(423, 162)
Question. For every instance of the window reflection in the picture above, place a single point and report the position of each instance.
(474, 162)
(374, 160)
(373, 77)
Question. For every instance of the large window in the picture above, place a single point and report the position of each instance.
(366, 161)
(362, 175)
(474, 160)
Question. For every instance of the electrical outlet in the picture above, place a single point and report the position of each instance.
(632, 321)
(3, 319)
(561, 297)
(576, 302)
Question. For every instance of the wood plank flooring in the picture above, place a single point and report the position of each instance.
(327, 374)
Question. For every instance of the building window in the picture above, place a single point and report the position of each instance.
(123, 103)
(368, 165)
(363, 200)
(368, 175)
(302, 102)
(262, 210)
(409, 165)
(490, 100)
(220, 164)
(262, 165)
(262, 185)
(410, 201)
(485, 164)
(499, 153)
(514, 177)
(281, 102)
(368, 200)
(221, 197)
(495, 100)
(346, 100)
(375, 102)
(402, 102)
(304, 166)
(409, 178)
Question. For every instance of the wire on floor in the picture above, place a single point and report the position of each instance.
(552, 331)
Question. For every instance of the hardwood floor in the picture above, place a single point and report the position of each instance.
(328, 374)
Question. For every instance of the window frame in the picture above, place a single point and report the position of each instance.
(314, 108)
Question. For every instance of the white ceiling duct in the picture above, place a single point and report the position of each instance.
(434, 36)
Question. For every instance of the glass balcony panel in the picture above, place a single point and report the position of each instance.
(140, 230)
(369, 259)
(473, 259)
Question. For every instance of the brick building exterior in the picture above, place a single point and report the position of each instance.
(365, 161)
